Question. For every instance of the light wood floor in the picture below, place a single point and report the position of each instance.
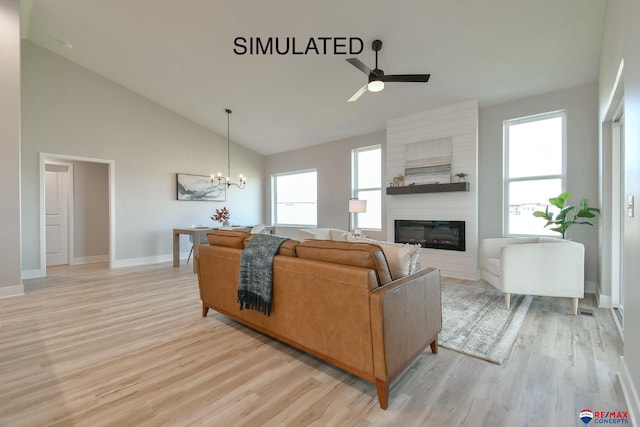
(89, 346)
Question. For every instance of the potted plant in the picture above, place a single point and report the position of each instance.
(461, 176)
(568, 214)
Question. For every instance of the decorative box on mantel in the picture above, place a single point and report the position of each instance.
(428, 188)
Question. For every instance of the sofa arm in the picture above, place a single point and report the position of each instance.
(406, 317)
(551, 269)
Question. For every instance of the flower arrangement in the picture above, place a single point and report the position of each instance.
(221, 215)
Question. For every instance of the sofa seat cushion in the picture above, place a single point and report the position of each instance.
(227, 238)
(401, 257)
(357, 254)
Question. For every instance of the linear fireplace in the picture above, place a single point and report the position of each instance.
(447, 235)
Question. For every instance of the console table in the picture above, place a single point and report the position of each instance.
(196, 234)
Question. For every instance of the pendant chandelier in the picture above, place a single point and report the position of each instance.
(225, 182)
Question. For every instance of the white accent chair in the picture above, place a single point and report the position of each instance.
(322, 234)
(542, 266)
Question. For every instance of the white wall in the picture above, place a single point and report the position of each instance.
(68, 110)
(580, 104)
(621, 38)
(333, 162)
(10, 276)
(459, 122)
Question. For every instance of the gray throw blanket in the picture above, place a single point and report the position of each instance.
(255, 287)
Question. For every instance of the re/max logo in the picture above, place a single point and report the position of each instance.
(604, 417)
(613, 414)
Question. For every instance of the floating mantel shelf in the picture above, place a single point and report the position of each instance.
(429, 188)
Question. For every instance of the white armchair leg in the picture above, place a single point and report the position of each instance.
(574, 306)
(507, 300)
(486, 285)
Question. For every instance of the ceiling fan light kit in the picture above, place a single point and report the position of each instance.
(375, 84)
(377, 78)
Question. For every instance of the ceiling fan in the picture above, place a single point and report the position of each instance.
(377, 78)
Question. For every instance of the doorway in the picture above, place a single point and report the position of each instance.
(619, 214)
(613, 260)
(80, 229)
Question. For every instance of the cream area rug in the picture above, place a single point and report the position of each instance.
(476, 322)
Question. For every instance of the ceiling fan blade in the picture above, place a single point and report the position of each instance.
(416, 78)
(358, 94)
(359, 65)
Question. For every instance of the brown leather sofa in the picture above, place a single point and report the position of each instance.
(334, 300)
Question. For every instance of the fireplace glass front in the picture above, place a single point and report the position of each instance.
(448, 235)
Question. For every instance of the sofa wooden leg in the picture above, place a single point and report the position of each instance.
(205, 310)
(434, 346)
(382, 387)
(485, 284)
(507, 300)
(574, 306)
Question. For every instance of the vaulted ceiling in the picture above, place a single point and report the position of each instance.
(181, 55)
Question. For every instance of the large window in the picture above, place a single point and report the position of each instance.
(534, 170)
(295, 198)
(367, 185)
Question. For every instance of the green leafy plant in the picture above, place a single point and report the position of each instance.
(568, 214)
(461, 176)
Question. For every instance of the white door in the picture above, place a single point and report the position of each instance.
(56, 214)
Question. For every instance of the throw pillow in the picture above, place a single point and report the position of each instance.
(401, 257)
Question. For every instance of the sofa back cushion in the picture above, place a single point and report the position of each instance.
(363, 255)
(322, 234)
(228, 238)
(287, 248)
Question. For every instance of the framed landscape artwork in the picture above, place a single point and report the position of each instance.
(199, 188)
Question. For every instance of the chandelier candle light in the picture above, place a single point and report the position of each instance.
(226, 181)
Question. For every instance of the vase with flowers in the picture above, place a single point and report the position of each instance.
(222, 216)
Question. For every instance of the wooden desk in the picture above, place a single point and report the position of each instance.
(196, 234)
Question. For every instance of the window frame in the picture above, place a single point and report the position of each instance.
(274, 197)
(506, 180)
(354, 184)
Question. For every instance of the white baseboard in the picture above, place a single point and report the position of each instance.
(630, 392)
(590, 287)
(34, 274)
(89, 259)
(11, 291)
(135, 262)
(604, 301)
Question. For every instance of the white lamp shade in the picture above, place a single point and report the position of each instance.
(357, 206)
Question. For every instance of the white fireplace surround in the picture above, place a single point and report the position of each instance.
(458, 124)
